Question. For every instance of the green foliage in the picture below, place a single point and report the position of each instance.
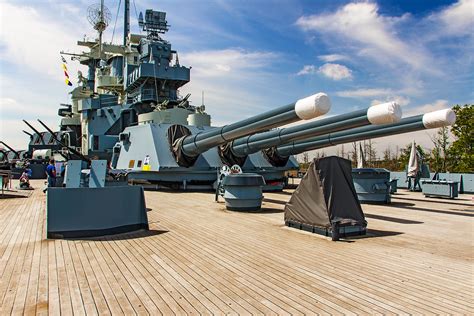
(439, 158)
(461, 153)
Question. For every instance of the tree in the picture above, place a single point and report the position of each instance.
(461, 152)
(387, 154)
(439, 153)
(370, 153)
(305, 157)
(353, 154)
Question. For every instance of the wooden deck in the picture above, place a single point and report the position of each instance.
(200, 259)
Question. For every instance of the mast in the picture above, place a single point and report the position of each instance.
(126, 22)
(99, 26)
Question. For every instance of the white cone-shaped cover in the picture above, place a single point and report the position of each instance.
(384, 113)
(439, 118)
(413, 165)
(360, 157)
(313, 106)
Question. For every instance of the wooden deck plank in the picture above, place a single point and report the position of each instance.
(146, 286)
(114, 282)
(221, 272)
(276, 276)
(113, 303)
(242, 234)
(77, 302)
(100, 300)
(209, 275)
(206, 288)
(34, 279)
(80, 283)
(199, 258)
(166, 291)
(13, 270)
(387, 262)
(28, 270)
(154, 305)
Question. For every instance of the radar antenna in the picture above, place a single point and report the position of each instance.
(154, 24)
(99, 16)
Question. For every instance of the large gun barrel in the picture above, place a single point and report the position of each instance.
(378, 114)
(72, 150)
(17, 154)
(27, 133)
(35, 130)
(430, 120)
(190, 146)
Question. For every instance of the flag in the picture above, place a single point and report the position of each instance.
(66, 75)
(360, 157)
(413, 163)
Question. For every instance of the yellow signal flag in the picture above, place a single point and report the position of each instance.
(64, 67)
(68, 82)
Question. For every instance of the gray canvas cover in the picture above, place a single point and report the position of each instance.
(326, 195)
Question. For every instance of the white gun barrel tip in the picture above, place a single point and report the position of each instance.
(440, 118)
(313, 106)
(384, 113)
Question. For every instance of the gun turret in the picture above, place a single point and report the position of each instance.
(187, 147)
(430, 120)
(236, 151)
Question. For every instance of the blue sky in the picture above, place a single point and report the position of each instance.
(250, 56)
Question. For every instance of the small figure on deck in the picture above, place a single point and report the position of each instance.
(25, 180)
(51, 174)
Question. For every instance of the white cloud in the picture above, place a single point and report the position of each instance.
(360, 25)
(456, 19)
(237, 83)
(335, 71)
(401, 100)
(307, 70)
(439, 104)
(332, 57)
(232, 61)
(36, 43)
(364, 93)
(332, 71)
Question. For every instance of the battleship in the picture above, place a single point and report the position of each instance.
(98, 243)
(128, 111)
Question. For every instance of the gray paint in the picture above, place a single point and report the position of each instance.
(151, 140)
(403, 126)
(372, 184)
(97, 174)
(439, 188)
(73, 173)
(195, 144)
(253, 143)
(94, 209)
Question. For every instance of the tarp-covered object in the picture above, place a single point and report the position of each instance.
(413, 163)
(326, 195)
